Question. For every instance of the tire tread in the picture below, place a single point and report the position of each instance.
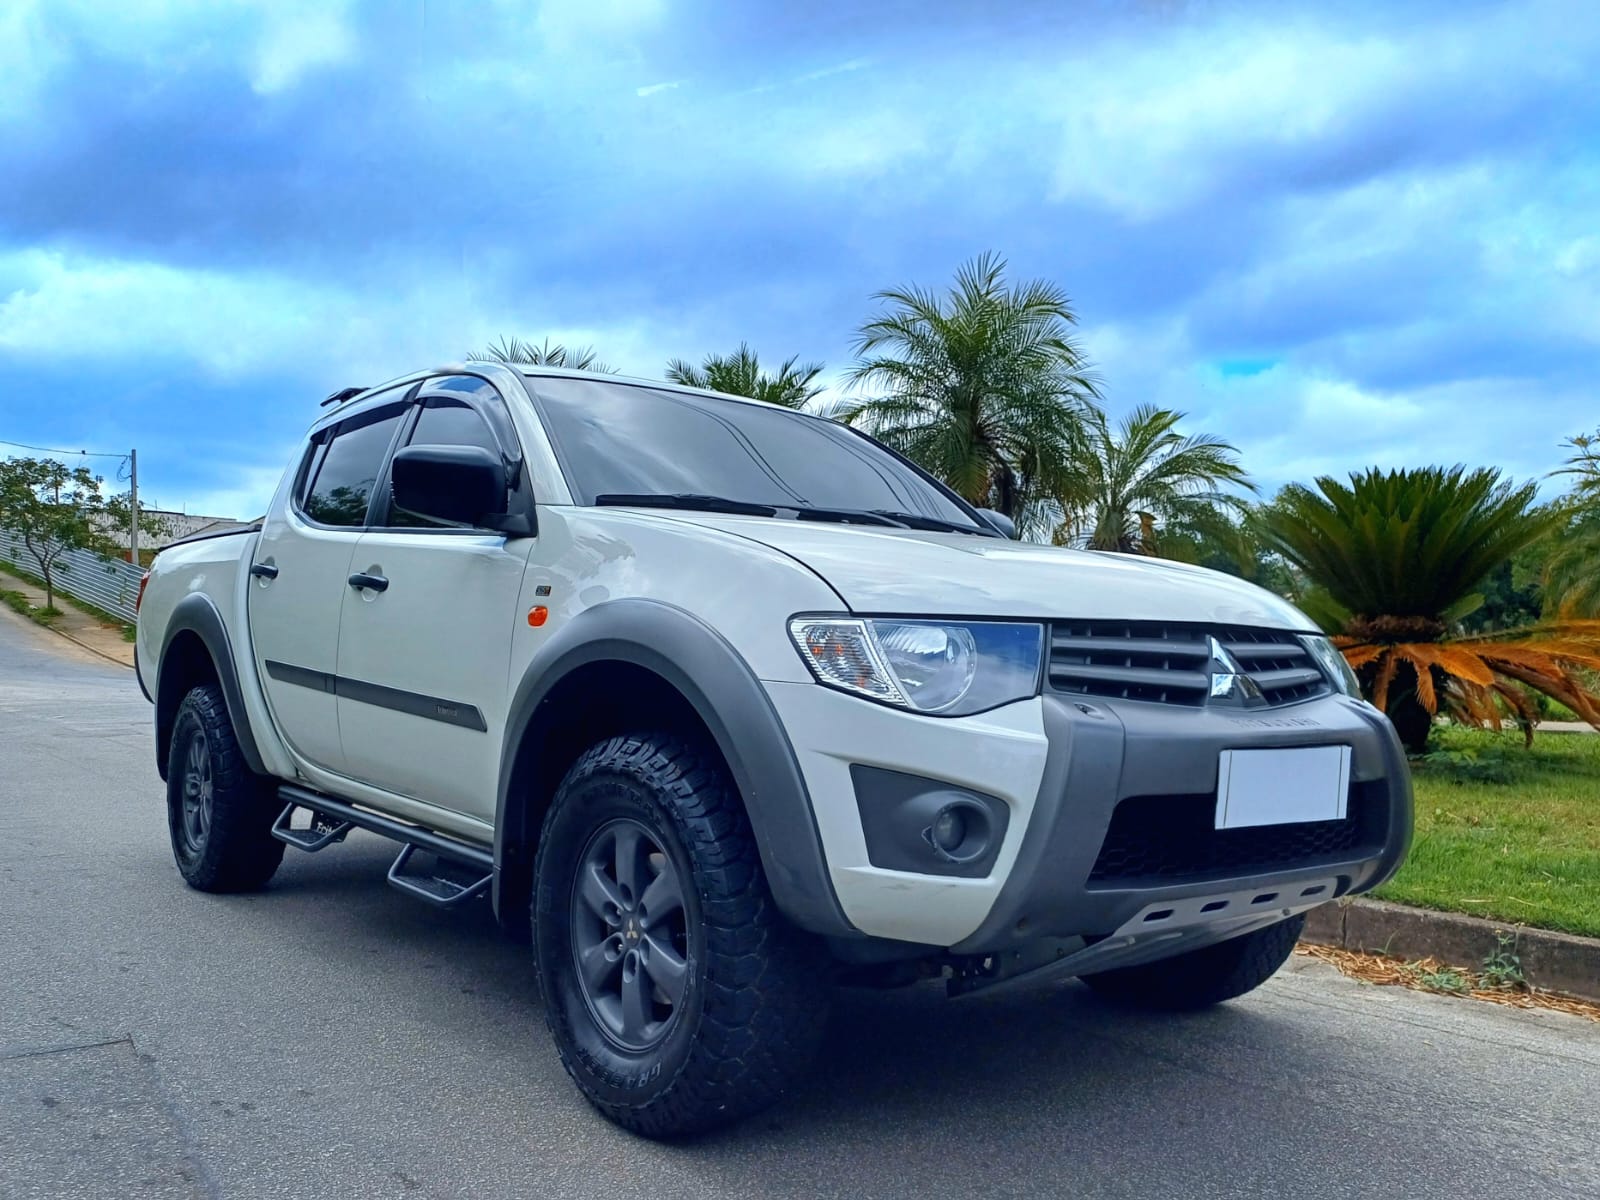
(241, 854)
(766, 997)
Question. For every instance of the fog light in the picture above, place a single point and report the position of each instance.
(959, 833)
(949, 829)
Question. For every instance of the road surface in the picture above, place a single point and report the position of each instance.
(330, 1037)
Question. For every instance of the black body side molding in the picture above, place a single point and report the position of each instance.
(709, 673)
(197, 614)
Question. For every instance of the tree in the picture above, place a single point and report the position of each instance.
(1226, 539)
(516, 352)
(55, 508)
(1125, 483)
(1397, 557)
(983, 386)
(740, 374)
(1571, 575)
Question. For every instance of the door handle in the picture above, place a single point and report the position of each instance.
(263, 570)
(362, 580)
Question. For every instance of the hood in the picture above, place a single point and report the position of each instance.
(910, 572)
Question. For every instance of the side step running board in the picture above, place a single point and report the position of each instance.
(310, 840)
(441, 886)
(462, 871)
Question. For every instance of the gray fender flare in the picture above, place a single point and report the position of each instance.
(197, 614)
(711, 675)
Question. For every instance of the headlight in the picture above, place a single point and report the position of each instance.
(952, 669)
(1332, 663)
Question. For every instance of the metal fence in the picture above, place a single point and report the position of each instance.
(106, 583)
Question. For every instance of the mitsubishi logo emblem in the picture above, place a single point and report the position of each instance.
(1228, 680)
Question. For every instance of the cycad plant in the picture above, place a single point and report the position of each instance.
(1130, 482)
(740, 374)
(982, 385)
(1395, 557)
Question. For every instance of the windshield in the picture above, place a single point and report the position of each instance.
(617, 438)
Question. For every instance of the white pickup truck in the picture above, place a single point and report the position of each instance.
(728, 704)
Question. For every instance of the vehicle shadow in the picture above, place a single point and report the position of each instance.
(1042, 1090)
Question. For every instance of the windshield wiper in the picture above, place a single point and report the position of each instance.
(918, 521)
(697, 502)
(846, 516)
(687, 500)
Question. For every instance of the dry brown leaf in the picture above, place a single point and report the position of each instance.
(1392, 972)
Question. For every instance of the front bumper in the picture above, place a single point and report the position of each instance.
(1109, 815)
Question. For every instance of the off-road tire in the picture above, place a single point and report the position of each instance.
(757, 989)
(1202, 977)
(235, 851)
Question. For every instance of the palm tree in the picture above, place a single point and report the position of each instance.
(983, 385)
(1124, 481)
(1572, 572)
(1396, 556)
(516, 352)
(740, 374)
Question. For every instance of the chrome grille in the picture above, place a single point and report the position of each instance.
(1172, 663)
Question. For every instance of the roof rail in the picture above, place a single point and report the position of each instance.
(341, 396)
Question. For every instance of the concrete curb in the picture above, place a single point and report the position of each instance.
(1556, 962)
(91, 649)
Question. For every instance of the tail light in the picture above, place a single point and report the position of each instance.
(139, 599)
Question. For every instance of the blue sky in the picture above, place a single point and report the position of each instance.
(1337, 235)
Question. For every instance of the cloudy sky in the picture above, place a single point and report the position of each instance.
(1337, 234)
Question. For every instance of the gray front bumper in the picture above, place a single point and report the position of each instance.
(1164, 758)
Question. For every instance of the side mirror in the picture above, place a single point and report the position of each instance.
(1000, 521)
(465, 485)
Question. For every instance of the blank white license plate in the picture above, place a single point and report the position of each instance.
(1282, 787)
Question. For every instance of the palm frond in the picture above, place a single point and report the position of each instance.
(981, 384)
(793, 385)
(516, 352)
(1403, 543)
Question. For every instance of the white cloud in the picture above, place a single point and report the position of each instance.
(1149, 126)
(292, 44)
(28, 54)
(652, 88)
(235, 326)
(568, 24)
(274, 43)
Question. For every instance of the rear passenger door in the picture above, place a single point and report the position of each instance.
(298, 577)
(424, 663)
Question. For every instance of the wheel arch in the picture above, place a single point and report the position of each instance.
(628, 661)
(195, 651)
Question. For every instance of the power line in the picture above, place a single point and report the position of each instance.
(52, 450)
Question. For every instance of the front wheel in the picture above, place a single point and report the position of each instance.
(1203, 977)
(219, 812)
(678, 996)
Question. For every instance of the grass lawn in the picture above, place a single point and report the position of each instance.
(1506, 833)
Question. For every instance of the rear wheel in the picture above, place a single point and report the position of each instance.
(219, 812)
(678, 996)
(1201, 978)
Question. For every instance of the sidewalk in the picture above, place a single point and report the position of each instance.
(100, 637)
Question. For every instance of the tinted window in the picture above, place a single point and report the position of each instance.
(349, 470)
(452, 424)
(443, 423)
(620, 439)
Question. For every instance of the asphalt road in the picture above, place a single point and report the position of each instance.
(330, 1037)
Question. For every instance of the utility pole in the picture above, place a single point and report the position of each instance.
(133, 507)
